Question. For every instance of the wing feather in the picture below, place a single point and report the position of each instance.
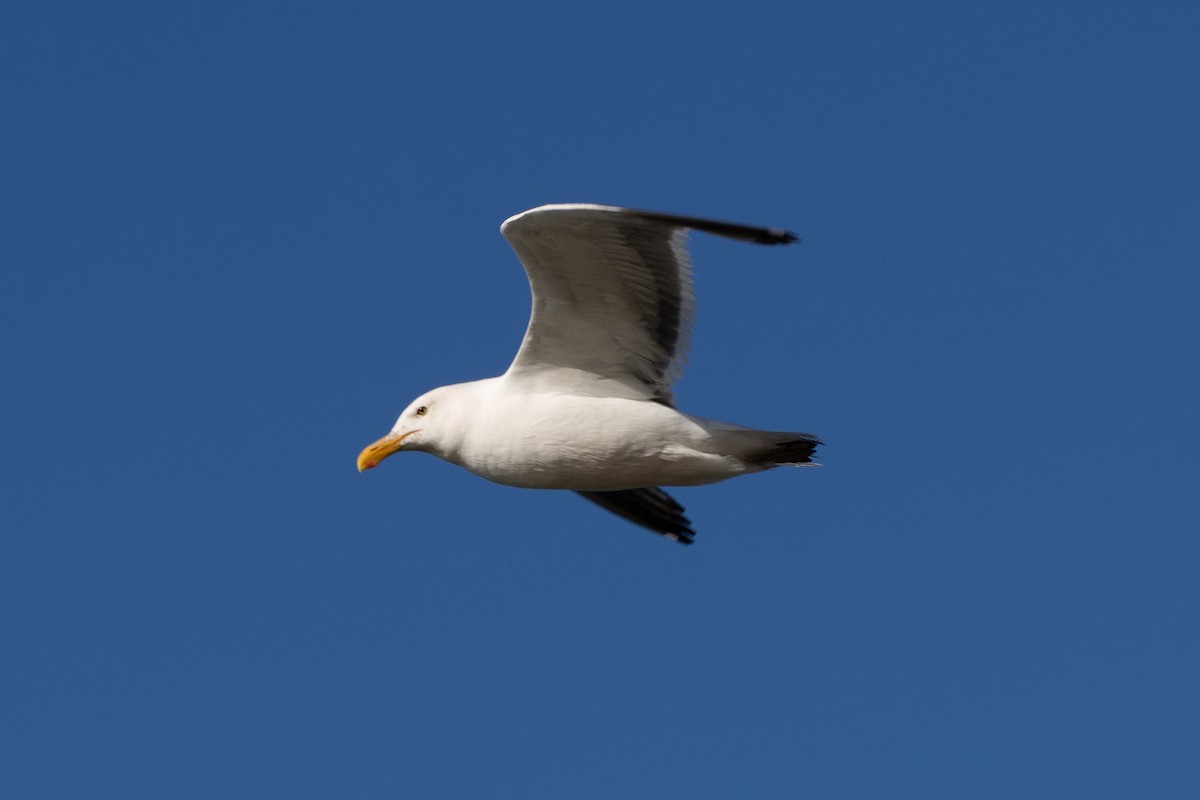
(613, 304)
(649, 507)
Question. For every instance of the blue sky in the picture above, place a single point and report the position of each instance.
(239, 238)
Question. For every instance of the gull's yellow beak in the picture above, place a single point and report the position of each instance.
(373, 453)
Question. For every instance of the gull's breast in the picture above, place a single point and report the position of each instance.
(590, 444)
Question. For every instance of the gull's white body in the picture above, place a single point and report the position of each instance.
(586, 404)
(550, 440)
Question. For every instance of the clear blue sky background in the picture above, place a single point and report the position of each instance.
(237, 238)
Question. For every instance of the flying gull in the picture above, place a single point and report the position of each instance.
(586, 404)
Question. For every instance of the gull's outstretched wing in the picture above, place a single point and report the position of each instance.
(612, 296)
(651, 508)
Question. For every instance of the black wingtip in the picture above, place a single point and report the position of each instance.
(650, 507)
(779, 236)
(731, 230)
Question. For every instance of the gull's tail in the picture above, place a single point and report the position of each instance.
(767, 449)
(792, 449)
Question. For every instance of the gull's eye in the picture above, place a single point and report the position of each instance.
(421, 411)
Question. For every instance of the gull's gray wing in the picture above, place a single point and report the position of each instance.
(612, 296)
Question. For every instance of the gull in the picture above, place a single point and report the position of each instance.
(586, 405)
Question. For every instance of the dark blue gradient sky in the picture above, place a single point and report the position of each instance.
(238, 238)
